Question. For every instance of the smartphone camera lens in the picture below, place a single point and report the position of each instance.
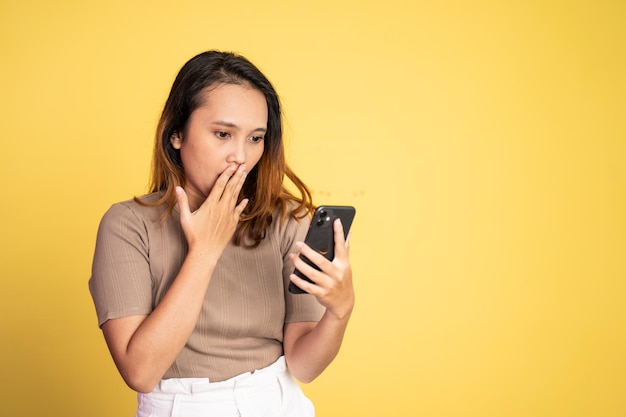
(323, 217)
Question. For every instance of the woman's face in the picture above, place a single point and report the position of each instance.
(228, 129)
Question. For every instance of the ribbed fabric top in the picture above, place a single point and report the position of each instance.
(240, 327)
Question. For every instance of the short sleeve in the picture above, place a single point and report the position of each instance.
(120, 282)
(298, 307)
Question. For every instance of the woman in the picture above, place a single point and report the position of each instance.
(190, 281)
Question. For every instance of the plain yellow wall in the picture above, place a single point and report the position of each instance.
(482, 142)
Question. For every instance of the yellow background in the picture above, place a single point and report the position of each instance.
(482, 142)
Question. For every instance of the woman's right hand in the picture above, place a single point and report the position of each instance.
(145, 346)
(210, 228)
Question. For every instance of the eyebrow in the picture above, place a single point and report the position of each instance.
(232, 125)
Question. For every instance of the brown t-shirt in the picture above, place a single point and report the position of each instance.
(240, 327)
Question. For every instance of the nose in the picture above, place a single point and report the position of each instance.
(237, 152)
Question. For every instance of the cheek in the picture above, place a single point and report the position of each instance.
(186, 156)
(254, 157)
(191, 159)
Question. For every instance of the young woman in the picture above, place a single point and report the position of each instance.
(190, 281)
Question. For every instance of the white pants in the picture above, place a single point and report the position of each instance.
(270, 391)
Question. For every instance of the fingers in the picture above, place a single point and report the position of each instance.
(319, 278)
(313, 255)
(221, 183)
(325, 266)
(241, 207)
(341, 253)
(228, 184)
(342, 247)
(304, 285)
(183, 203)
(330, 272)
(236, 183)
(332, 286)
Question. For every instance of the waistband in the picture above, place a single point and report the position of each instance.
(199, 385)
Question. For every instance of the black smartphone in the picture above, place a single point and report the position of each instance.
(321, 236)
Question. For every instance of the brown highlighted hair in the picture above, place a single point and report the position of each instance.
(264, 185)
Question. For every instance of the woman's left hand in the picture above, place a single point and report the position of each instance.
(333, 284)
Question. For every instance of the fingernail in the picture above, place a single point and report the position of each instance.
(179, 190)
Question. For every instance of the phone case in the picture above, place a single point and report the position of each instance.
(320, 236)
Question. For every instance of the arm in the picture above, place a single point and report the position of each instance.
(144, 347)
(311, 347)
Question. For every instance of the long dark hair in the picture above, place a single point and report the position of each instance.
(264, 185)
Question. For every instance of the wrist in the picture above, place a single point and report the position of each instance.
(340, 314)
(203, 256)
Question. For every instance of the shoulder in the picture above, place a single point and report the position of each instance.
(131, 212)
(289, 226)
(144, 208)
(290, 215)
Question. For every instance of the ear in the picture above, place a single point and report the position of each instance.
(175, 140)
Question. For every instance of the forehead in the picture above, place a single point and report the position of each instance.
(233, 98)
(223, 90)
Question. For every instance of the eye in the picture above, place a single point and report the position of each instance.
(256, 139)
(222, 135)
